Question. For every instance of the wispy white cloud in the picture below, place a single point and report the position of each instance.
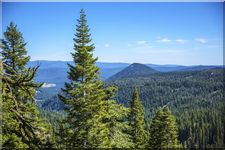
(181, 41)
(164, 40)
(201, 40)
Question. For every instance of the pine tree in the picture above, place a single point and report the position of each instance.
(112, 132)
(90, 111)
(9, 139)
(171, 128)
(19, 89)
(163, 130)
(82, 94)
(136, 119)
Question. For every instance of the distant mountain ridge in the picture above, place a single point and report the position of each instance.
(46, 64)
(134, 70)
(55, 72)
(51, 70)
(200, 67)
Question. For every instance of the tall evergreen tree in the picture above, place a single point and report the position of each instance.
(112, 132)
(163, 130)
(19, 89)
(90, 112)
(136, 119)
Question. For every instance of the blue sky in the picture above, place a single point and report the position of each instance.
(158, 33)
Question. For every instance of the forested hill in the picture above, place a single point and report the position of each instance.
(156, 89)
(183, 89)
(133, 70)
(195, 97)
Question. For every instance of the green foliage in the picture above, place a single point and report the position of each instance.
(111, 132)
(163, 130)
(136, 119)
(93, 118)
(202, 127)
(60, 127)
(21, 123)
(191, 95)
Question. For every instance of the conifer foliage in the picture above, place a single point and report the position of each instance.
(163, 130)
(94, 119)
(136, 119)
(22, 127)
(84, 91)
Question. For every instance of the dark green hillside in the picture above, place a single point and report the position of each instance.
(162, 88)
(196, 98)
(133, 70)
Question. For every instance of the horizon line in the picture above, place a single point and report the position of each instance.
(136, 62)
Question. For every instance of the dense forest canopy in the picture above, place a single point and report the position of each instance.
(139, 107)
